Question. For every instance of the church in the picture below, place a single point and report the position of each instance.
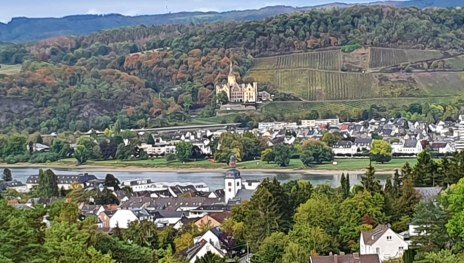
(236, 190)
(238, 93)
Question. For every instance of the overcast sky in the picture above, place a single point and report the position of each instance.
(59, 8)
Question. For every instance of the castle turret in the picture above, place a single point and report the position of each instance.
(231, 79)
(233, 180)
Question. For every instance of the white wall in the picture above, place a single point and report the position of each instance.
(384, 247)
(122, 218)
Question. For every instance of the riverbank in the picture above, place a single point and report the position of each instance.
(355, 166)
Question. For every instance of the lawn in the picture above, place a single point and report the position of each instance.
(295, 164)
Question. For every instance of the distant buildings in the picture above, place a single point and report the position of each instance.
(64, 181)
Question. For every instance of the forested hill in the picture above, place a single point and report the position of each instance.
(31, 29)
(148, 76)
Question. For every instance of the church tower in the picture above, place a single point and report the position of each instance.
(233, 180)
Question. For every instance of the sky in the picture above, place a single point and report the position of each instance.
(60, 8)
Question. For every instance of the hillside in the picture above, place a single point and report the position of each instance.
(23, 29)
(363, 74)
(165, 75)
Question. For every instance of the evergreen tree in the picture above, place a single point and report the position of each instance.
(430, 221)
(345, 185)
(388, 189)
(48, 184)
(397, 182)
(7, 177)
(406, 171)
(150, 139)
(369, 182)
(425, 170)
(111, 181)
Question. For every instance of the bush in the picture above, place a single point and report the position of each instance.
(22, 158)
(350, 48)
(44, 157)
(171, 157)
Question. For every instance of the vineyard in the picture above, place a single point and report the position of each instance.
(386, 57)
(334, 75)
(319, 85)
(325, 60)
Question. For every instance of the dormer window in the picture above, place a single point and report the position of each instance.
(389, 238)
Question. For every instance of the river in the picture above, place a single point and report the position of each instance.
(215, 180)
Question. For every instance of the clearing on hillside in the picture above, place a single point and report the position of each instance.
(10, 69)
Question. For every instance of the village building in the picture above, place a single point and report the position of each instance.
(235, 190)
(238, 93)
(384, 242)
(64, 181)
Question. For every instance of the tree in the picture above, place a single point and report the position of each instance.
(298, 192)
(369, 182)
(381, 151)
(294, 253)
(345, 185)
(143, 233)
(267, 155)
(272, 248)
(7, 177)
(16, 145)
(48, 184)
(111, 181)
(430, 221)
(222, 98)
(318, 212)
(312, 239)
(425, 171)
(443, 256)
(453, 202)
(282, 153)
(81, 154)
(314, 151)
(209, 257)
(330, 138)
(184, 151)
(184, 241)
(268, 211)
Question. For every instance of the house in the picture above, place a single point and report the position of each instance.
(344, 148)
(123, 217)
(18, 186)
(382, 241)
(212, 220)
(244, 93)
(349, 258)
(442, 147)
(163, 218)
(200, 249)
(323, 122)
(64, 181)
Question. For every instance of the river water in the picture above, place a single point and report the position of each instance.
(215, 180)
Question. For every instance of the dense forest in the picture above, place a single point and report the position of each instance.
(152, 76)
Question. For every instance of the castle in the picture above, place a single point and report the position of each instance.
(238, 93)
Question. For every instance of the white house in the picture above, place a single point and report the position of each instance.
(408, 146)
(122, 218)
(200, 249)
(382, 241)
(344, 148)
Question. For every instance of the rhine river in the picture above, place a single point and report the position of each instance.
(215, 180)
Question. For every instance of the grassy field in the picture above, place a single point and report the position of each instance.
(10, 69)
(386, 57)
(295, 107)
(345, 165)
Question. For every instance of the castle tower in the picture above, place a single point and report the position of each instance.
(232, 180)
(231, 79)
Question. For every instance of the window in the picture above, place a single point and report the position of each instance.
(238, 183)
(389, 238)
(229, 184)
(401, 248)
(230, 190)
(377, 250)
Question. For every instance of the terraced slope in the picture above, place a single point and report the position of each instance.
(318, 76)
